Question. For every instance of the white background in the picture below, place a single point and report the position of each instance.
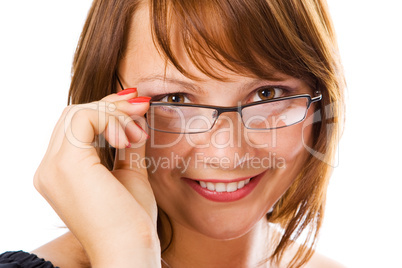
(363, 222)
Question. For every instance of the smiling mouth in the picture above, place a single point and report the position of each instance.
(224, 187)
(225, 190)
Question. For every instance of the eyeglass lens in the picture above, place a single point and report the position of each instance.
(187, 119)
(274, 115)
(180, 119)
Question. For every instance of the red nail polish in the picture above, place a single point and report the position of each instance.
(139, 100)
(127, 91)
(138, 125)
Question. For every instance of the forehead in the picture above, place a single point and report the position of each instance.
(141, 56)
(143, 60)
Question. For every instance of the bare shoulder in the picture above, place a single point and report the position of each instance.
(64, 251)
(319, 261)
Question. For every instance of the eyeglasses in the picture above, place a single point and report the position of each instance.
(183, 118)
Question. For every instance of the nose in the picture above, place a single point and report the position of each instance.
(227, 129)
(224, 146)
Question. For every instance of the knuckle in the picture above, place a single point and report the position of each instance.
(111, 107)
(41, 180)
(37, 180)
(51, 173)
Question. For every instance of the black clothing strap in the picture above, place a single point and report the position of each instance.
(21, 259)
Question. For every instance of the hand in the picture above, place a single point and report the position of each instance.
(112, 214)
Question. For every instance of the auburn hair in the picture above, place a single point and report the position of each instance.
(253, 37)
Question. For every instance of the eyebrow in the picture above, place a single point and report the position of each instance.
(197, 89)
(187, 85)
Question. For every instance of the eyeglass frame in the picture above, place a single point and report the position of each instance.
(238, 109)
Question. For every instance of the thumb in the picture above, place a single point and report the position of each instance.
(133, 158)
(130, 168)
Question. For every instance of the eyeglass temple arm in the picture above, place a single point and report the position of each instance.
(318, 96)
(118, 80)
(315, 99)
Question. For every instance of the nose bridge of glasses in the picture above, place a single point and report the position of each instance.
(226, 110)
(227, 117)
(221, 110)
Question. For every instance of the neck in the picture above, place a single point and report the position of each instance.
(192, 249)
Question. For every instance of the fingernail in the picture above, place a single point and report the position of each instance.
(127, 91)
(139, 100)
(138, 125)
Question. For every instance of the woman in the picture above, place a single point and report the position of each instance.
(230, 163)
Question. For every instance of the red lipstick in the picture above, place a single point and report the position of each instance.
(226, 195)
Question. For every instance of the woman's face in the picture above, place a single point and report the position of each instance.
(179, 164)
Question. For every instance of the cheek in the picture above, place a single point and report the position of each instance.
(166, 154)
(292, 144)
(289, 142)
(163, 141)
(285, 144)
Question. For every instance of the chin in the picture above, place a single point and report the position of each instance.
(226, 235)
(222, 228)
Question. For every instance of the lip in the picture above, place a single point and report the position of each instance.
(227, 181)
(225, 196)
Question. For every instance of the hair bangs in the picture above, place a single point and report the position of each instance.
(241, 37)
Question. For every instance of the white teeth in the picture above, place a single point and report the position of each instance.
(203, 184)
(231, 187)
(220, 187)
(224, 187)
(210, 186)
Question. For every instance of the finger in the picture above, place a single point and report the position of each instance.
(137, 184)
(126, 94)
(57, 136)
(122, 131)
(59, 129)
(83, 122)
(131, 107)
(131, 158)
(115, 134)
(122, 108)
(130, 168)
(135, 125)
